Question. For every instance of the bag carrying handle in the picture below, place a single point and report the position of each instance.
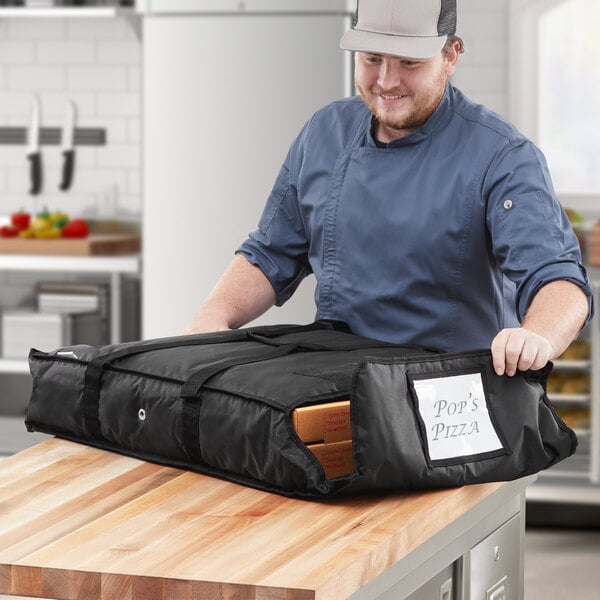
(95, 368)
(190, 391)
(219, 337)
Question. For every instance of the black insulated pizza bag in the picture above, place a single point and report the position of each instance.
(225, 403)
(442, 420)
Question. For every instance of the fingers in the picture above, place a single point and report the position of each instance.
(519, 348)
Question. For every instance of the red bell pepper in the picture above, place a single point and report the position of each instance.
(20, 220)
(77, 228)
(8, 231)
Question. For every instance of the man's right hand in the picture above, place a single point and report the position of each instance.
(241, 295)
(520, 349)
(205, 322)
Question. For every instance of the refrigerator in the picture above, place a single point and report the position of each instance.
(227, 86)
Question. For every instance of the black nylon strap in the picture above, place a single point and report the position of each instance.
(220, 337)
(91, 398)
(192, 386)
(95, 369)
(190, 392)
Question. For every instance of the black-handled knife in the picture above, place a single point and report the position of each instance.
(68, 147)
(33, 148)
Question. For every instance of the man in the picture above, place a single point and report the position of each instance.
(425, 218)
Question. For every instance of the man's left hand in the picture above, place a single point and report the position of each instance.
(519, 348)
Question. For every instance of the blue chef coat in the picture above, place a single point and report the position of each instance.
(412, 243)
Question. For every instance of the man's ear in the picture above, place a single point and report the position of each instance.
(452, 58)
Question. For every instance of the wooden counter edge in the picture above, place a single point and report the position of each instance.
(40, 582)
(461, 508)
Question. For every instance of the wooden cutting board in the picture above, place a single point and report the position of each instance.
(78, 522)
(95, 244)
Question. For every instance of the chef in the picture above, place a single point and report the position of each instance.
(426, 218)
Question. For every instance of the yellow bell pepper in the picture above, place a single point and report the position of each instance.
(27, 233)
(40, 223)
(58, 219)
(48, 233)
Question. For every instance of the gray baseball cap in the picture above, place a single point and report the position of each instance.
(411, 28)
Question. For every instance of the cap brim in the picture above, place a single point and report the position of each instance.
(379, 43)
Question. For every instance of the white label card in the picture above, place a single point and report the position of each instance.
(456, 417)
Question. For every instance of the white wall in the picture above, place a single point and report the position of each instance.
(482, 73)
(95, 63)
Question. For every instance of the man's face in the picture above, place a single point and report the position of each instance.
(402, 93)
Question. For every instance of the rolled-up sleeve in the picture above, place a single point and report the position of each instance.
(531, 236)
(279, 246)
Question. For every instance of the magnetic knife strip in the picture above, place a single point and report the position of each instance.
(50, 136)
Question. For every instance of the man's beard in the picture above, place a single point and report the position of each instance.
(423, 106)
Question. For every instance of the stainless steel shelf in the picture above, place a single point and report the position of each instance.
(14, 437)
(129, 263)
(131, 15)
(14, 365)
(572, 492)
(93, 12)
(572, 364)
(576, 480)
(114, 266)
(570, 398)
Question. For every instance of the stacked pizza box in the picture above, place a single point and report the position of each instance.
(326, 431)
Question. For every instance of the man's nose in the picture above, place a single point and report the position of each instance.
(389, 75)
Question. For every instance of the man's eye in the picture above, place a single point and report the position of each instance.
(410, 63)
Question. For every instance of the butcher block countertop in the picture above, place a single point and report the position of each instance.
(77, 522)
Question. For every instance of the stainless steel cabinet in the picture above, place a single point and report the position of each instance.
(442, 586)
(496, 564)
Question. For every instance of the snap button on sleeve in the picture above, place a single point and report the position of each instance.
(508, 204)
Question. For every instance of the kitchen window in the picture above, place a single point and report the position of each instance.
(555, 89)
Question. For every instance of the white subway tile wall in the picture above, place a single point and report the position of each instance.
(96, 63)
(482, 73)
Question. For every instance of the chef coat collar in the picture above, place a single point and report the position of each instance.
(438, 119)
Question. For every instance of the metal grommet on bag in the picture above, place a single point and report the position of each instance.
(508, 204)
(142, 414)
